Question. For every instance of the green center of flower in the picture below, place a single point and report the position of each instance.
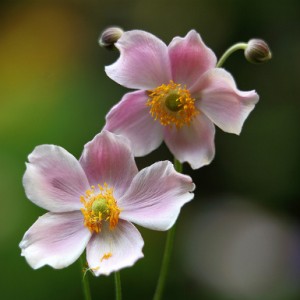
(171, 104)
(99, 207)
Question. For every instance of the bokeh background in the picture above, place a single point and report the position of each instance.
(239, 238)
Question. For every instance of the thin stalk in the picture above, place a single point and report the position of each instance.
(118, 286)
(229, 51)
(165, 264)
(85, 281)
(167, 252)
(177, 165)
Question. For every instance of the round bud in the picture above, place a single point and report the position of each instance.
(109, 37)
(257, 51)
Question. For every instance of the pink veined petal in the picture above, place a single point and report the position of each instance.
(112, 250)
(190, 58)
(155, 196)
(222, 102)
(131, 118)
(108, 159)
(54, 179)
(193, 144)
(143, 63)
(55, 239)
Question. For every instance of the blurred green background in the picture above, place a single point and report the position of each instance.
(239, 238)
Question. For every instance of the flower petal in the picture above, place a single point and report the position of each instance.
(222, 102)
(143, 62)
(112, 250)
(54, 179)
(108, 159)
(190, 58)
(131, 118)
(193, 144)
(156, 196)
(55, 239)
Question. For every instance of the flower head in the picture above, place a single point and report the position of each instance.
(92, 202)
(181, 95)
(109, 37)
(258, 51)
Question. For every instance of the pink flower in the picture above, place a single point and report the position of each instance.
(92, 202)
(181, 95)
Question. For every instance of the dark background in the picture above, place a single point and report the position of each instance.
(239, 238)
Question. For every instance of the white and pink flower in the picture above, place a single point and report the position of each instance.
(92, 202)
(181, 95)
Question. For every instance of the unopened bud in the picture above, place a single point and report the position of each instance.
(257, 51)
(109, 37)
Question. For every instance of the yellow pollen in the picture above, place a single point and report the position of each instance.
(99, 207)
(171, 104)
(106, 256)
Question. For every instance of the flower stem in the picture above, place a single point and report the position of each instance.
(118, 286)
(177, 165)
(85, 282)
(165, 264)
(229, 51)
(167, 252)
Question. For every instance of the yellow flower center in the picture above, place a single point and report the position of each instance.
(172, 104)
(99, 207)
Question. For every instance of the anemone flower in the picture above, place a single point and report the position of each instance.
(92, 202)
(180, 95)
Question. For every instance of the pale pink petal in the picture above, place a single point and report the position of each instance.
(156, 196)
(112, 250)
(131, 118)
(54, 179)
(55, 239)
(193, 144)
(190, 58)
(143, 63)
(222, 102)
(108, 159)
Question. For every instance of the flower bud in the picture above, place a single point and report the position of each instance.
(109, 37)
(257, 51)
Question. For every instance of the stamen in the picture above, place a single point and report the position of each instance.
(99, 207)
(172, 105)
(106, 256)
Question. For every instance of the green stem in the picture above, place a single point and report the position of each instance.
(178, 165)
(118, 286)
(165, 264)
(167, 252)
(85, 281)
(229, 51)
